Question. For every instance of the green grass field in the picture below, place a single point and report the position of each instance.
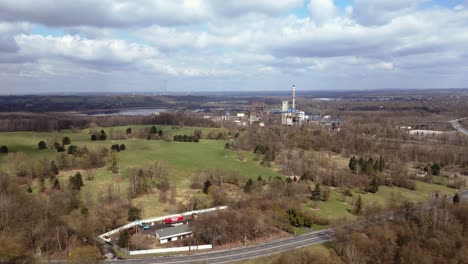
(338, 206)
(183, 160)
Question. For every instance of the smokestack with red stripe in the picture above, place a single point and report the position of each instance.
(294, 97)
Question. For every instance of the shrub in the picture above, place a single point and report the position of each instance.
(115, 148)
(3, 149)
(42, 145)
(134, 213)
(66, 141)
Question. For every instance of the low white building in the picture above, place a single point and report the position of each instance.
(173, 233)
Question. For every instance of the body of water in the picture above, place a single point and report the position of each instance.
(131, 112)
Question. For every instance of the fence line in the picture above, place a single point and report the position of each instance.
(156, 219)
(169, 250)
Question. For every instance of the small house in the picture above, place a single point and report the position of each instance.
(173, 233)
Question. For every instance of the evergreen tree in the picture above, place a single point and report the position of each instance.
(316, 193)
(362, 164)
(72, 149)
(352, 164)
(114, 167)
(53, 168)
(76, 182)
(42, 185)
(376, 165)
(435, 169)
(369, 165)
(93, 137)
(260, 180)
(295, 218)
(29, 190)
(249, 186)
(206, 186)
(56, 184)
(103, 135)
(123, 147)
(160, 133)
(124, 239)
(269, 154)
(128, 131)
(381, 164)
(134, 213)
(358, 206)
(456, 199)
(373, 186)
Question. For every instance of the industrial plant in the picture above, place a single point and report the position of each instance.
(286, 114)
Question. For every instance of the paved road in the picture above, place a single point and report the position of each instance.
(242, 253)
(249, 252)
(458, 126)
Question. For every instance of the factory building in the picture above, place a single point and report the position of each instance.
(291, 116)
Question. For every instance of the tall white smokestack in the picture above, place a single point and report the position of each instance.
(294, 97)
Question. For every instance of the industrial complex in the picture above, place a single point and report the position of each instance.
(286, 114)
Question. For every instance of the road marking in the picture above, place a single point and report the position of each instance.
(201, 258)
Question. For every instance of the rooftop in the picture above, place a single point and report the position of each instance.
(173, 231)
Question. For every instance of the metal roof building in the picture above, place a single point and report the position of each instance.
(173, 233)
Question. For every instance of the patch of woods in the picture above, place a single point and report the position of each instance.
(152, 133)
(185, 138)
(58, 223)
(260, 207)
(421, 235)
(150, 177)
(435, 235)
(28, 169)
(56, 122)
(316, 153)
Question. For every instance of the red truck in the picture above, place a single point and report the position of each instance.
(173, 220)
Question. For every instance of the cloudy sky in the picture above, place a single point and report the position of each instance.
(221, 45)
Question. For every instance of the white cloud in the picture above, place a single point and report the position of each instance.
(382, 66)
(102, 51)
(371, 12)
(322, 10)
(241, 7)
(104, 13)
(241, 42)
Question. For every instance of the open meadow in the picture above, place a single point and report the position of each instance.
(183, 159)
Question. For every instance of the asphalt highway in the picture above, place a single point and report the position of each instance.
(458, 126)
(249, 252)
